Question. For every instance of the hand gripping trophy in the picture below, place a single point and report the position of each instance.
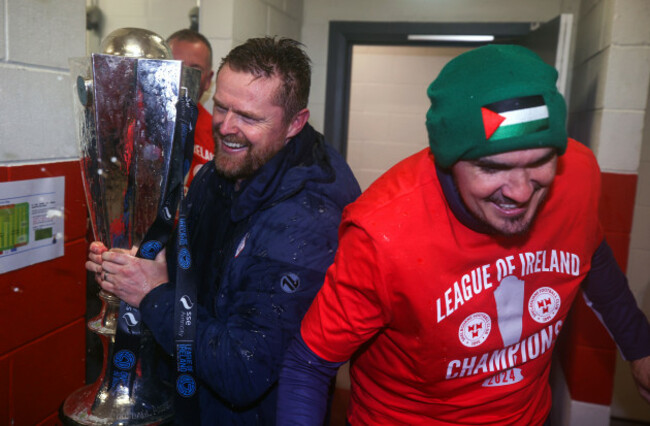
(135, 119)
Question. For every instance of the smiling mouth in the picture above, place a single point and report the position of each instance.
(234, 145)
(510, 209)
(506, 206)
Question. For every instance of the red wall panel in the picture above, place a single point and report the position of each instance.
(53, 420)
(42, 308)
(43, 297)
(617, 202)
(588, 354)
(46, 371)
(5, 385)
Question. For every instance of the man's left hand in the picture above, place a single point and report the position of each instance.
(641, 374)
(131, 278)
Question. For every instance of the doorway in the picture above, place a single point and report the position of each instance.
(388, 102)
(368, 62)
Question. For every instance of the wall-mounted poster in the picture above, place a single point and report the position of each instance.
(31, 222)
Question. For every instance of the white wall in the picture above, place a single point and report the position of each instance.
(610, 90)
(37, 38)
(227, 23)
(388, 103)
(160, 16)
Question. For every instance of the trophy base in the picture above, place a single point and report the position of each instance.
(87, 407)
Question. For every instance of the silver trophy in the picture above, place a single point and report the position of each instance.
(126, 114)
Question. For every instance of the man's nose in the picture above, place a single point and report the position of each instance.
(227, 125)
(519, 186)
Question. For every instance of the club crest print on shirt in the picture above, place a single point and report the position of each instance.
(475, 329)
(518, 313)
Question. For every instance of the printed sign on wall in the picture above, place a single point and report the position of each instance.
(31, 222)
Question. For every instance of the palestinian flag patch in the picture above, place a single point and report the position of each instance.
(514, 117)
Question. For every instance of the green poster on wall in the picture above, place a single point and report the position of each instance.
(14, 226)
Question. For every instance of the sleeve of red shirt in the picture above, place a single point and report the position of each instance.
(352, 306)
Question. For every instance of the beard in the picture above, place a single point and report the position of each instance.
(513, 227)
(238, 167)
(517, 225)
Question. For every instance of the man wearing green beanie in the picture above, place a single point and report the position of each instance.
(456, 269)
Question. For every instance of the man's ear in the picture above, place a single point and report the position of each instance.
(209, 82)
(297, 123)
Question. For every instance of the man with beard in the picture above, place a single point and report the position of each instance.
(262, 219)
(457, 268)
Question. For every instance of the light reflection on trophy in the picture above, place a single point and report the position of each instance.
(126, 118)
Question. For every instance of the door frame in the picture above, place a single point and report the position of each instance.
(343, 35)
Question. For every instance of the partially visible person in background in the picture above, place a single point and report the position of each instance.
(195, 51)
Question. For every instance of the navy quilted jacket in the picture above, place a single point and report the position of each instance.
(260, 255)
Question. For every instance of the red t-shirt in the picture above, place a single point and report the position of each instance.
(447, 325)
(203, 144)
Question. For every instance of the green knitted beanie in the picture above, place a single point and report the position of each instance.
(494, 99)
